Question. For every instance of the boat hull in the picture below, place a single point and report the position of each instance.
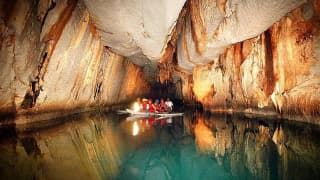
(146, 114)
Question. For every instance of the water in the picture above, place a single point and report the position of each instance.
(196, 146)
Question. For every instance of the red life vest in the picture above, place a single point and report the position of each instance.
(158, 107)
(151, 107)
(162, 106)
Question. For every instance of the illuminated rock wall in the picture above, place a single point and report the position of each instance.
(277, 72)
(52, 58)
(213, 25)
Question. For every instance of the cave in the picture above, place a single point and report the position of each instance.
(243, 76)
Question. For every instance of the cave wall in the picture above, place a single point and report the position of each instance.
(276, 72)
(52, 58)
(213, 25)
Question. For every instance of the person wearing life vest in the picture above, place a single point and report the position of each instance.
(162, 105)
(144, 104)
(157, 105)
(151, 106)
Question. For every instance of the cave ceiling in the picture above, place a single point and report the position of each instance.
(142, 29)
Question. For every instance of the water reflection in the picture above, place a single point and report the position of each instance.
(135, 129)
(196, 146)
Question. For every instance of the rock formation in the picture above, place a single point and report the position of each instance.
(53, 59)
(276, 71)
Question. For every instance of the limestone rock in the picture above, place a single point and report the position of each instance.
(139, 26)
(276, 72)
(53, 60)
(211, 26)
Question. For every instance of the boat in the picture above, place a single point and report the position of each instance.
(146, 114)
(129, 111)
(169, 114)
(138, 117)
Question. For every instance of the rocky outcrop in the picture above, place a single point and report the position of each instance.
(52, 59)
(212, 26)
(275, 72)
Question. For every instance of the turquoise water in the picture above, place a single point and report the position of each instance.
(196, 146)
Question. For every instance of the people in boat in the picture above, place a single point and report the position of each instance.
(162, 105)
(157, 105)
(144, 104)
(151, 106)
(137, 106)
(169, 105)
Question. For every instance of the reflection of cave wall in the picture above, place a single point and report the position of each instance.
(277, 71)
(86, 149)
(95, 146)
(253, 146)
(52, 58)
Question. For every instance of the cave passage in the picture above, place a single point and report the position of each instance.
(239, 79)
(60, 57)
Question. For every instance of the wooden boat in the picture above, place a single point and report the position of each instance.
(146, 114)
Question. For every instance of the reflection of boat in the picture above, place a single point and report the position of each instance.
(146, 114)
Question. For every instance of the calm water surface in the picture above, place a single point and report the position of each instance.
(195, 146)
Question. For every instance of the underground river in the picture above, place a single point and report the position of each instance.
(105, 145)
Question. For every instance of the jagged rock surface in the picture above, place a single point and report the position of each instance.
(52, 58)
(278, 69)
(211, 26)
(132, 27)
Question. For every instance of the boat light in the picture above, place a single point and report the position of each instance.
(136, 107)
